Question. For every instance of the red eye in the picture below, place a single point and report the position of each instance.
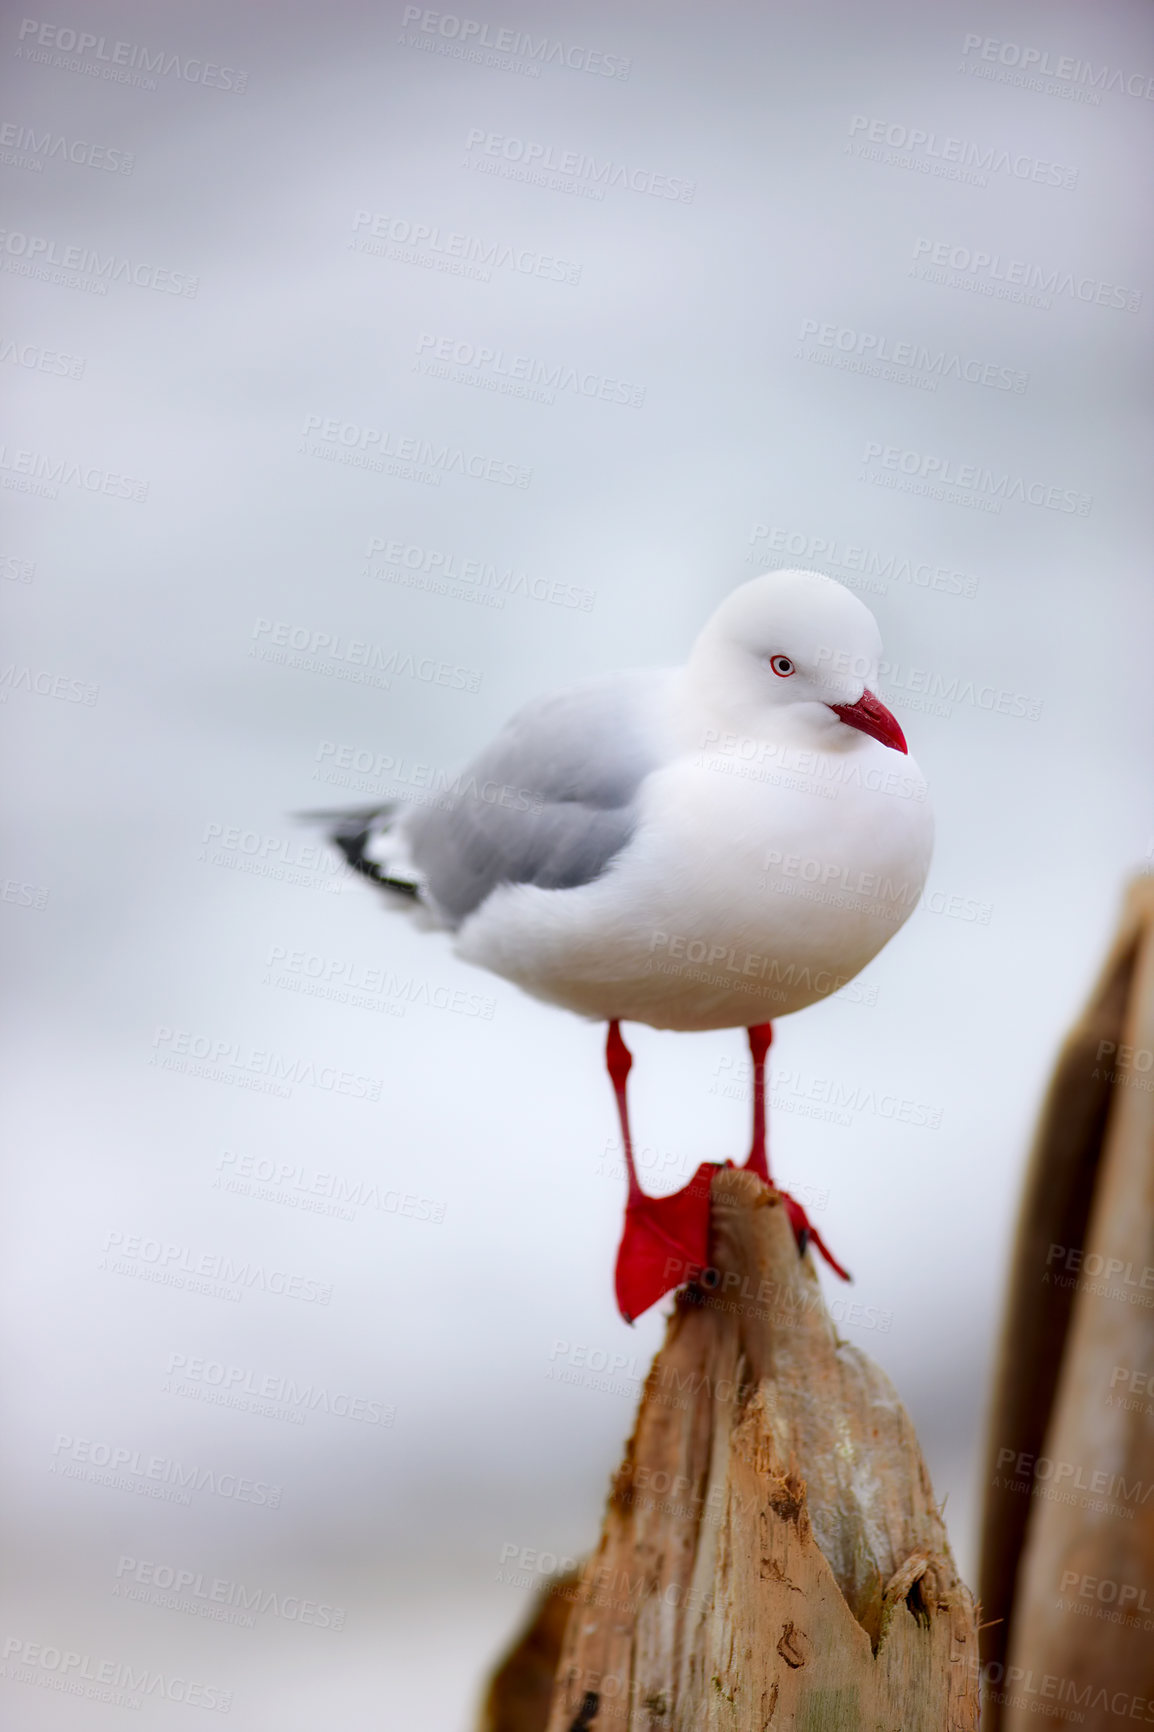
(781, 665)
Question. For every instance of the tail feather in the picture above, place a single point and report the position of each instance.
(352, 830)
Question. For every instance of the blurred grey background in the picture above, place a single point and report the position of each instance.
(368, 371)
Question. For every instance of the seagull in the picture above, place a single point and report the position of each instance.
(712, 846)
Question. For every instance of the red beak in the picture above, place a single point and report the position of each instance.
(870, 716)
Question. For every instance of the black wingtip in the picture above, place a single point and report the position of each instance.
(353, 848)
(351, 830)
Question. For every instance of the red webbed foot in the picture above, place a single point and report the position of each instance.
(665, 1243)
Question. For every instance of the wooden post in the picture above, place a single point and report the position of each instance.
(1081, 1636)
(1056, 1201)
(771, 1554)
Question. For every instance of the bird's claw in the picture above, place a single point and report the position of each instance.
(807, 1234)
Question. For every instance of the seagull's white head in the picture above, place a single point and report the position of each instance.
(792, 655)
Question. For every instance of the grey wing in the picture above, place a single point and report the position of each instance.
(550, 801)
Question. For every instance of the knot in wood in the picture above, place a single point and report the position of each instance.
(794, 1646)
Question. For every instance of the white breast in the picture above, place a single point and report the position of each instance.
(750, 889)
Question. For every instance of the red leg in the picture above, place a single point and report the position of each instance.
(665, 1241)
(760, 1037)
(619, 1062)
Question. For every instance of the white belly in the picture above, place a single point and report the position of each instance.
(741, 898)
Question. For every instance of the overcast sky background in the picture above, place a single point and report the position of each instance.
(160, 902)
